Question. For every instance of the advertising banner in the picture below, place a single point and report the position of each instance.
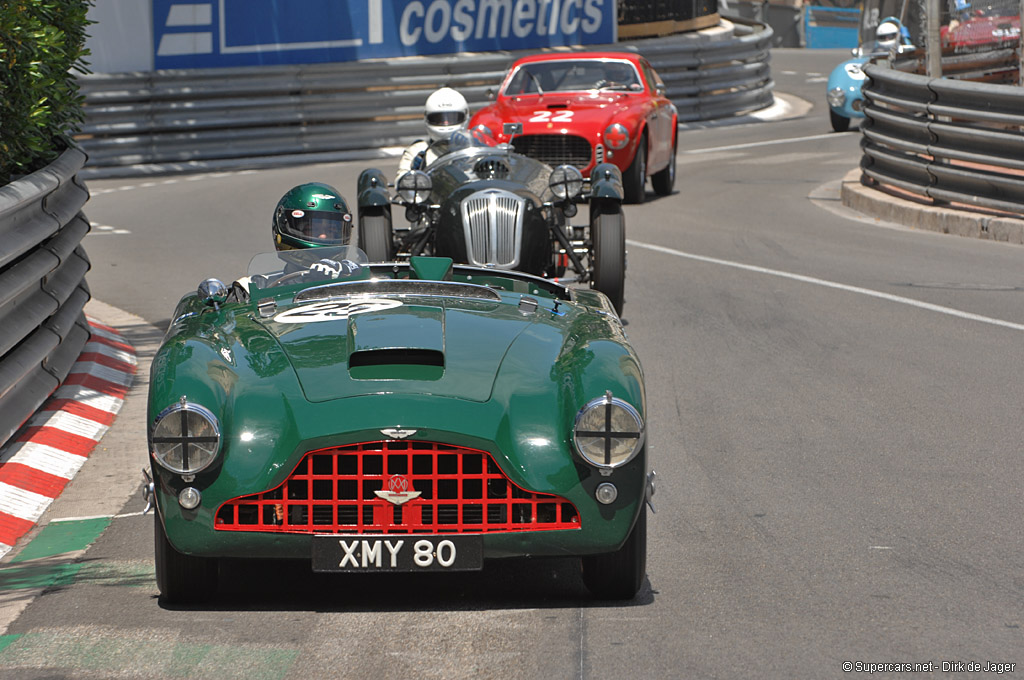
(214, 33)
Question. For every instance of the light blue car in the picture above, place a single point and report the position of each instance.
(845, 100)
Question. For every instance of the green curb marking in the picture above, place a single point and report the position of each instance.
(6, 640)
(61, 537)
(42, 575)
(78, 650)
(38, 566)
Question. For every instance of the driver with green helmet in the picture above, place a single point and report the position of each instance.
(311, 215)
(314, 215)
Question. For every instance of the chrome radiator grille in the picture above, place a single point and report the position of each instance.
(493, 224)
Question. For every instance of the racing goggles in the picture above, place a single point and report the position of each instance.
(446, 118)
(315, 226)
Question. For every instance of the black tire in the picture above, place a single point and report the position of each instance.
(839, 123)
(634, 180)
(375, 234)
(181, 578)
(608, 257)
(619, 575)
(664, 180)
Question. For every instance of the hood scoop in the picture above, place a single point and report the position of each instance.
(406, 346)
(408, 363)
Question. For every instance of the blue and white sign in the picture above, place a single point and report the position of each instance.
(211, 33)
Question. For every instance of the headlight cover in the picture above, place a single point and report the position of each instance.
(616, 136)
(414, 187)
(185, 438)
(566, 181)
(608, 432)
(836, 97)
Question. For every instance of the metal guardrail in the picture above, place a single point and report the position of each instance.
(167, 120)
(42, 287)
(953, 141)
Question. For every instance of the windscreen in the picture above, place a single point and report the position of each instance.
(572, 75)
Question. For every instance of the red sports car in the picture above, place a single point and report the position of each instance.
(585, 108)
(983, 28)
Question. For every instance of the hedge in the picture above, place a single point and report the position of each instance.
(41, 42)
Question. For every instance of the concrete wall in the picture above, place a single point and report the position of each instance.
(784, 16)
(122, 37)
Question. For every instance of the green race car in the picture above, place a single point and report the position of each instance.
(409, 417)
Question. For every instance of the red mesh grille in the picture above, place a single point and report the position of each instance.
(555, 149)
(442, 489)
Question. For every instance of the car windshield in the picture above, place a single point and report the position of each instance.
(286, 261)
(573, 75)
(473, 155)
(465, 139)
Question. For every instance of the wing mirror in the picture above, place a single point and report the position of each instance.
(213, 292)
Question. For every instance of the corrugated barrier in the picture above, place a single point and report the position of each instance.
(953, 141)
(42, 286)
(180, 120)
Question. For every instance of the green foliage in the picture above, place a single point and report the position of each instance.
(41, 42)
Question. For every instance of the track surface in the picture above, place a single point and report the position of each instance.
(834, 418)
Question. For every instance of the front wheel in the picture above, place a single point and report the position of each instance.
(179, 577)
(839, 123)
(608, 257)
(665, 179)
(619, 575)
(376, 237)
(634, 180)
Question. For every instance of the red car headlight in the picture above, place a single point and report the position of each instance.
(616, 136)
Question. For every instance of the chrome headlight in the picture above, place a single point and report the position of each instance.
(836, 97)
(414, 187)
(565, 182)
(185, 438)
(608, 432)
(616, 136)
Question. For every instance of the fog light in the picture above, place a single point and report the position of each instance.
(836, 97)
(189, 498)
(606, 493)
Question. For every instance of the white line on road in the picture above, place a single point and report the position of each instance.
(831, 284)
(80, 519)
(767, 143)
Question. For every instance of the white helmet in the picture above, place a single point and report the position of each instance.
(446, 112)
(888, 35)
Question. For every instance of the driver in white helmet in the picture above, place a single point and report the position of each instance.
(445, 113)
(891, 35)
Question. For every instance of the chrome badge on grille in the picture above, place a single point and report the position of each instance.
(398, 491)
(397, 433)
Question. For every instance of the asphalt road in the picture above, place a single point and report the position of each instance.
(834, 417)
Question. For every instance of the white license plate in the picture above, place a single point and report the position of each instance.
(401, 552)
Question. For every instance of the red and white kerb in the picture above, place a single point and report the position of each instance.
(53, 445)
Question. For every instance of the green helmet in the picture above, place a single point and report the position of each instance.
(310, 216)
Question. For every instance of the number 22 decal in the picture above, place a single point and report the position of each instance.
(563, 116)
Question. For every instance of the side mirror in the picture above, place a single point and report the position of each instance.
(659, 90)
(511, 129)
(490, 93)
(213, 292)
